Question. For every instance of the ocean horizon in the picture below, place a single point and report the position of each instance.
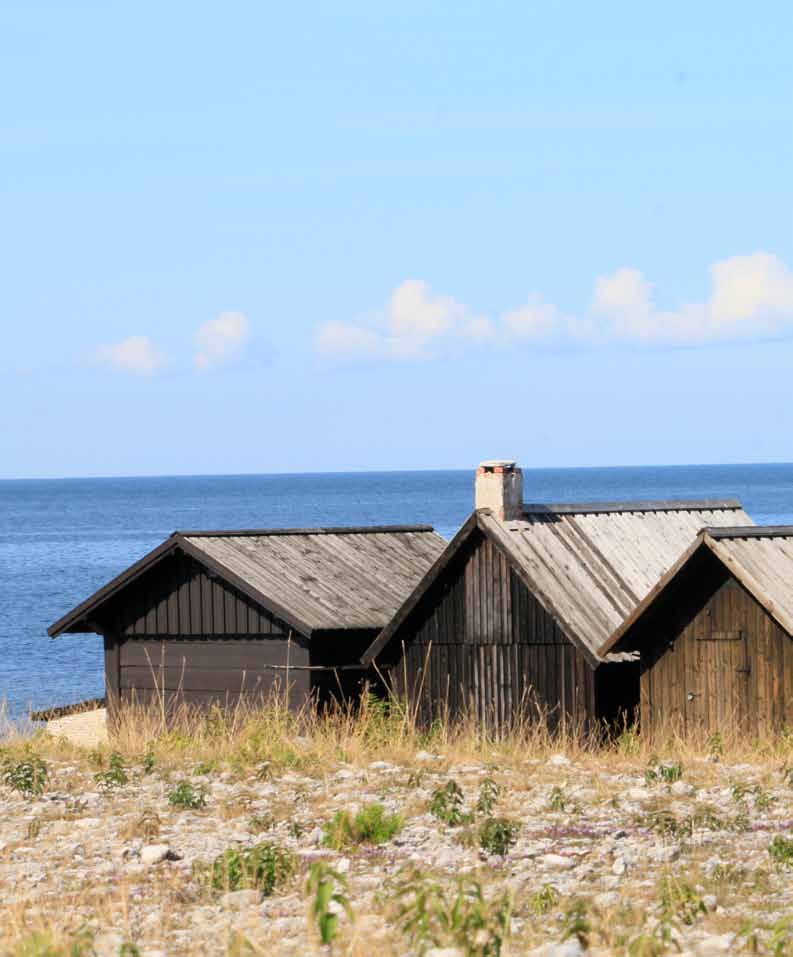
(61, 539)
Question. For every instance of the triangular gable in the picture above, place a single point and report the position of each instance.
(79, 619)
(750, 575)
(484, 522)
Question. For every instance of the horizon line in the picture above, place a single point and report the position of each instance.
(381, 471)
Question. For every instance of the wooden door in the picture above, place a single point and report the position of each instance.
(718, 685)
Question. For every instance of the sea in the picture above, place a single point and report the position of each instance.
(61, 539)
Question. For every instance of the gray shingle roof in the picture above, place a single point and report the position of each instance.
(592, 564)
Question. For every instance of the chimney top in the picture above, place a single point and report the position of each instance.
(499, 487)
(497, 465)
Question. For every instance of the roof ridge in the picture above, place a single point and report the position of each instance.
(660, 505)
(321, 530)
(748, 531)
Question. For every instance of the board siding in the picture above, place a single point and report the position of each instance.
(196, 670)
(699, 675)
(480, 645)
(179, 597)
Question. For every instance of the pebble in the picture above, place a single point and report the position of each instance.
(238, 900)
(154, 853)
(558, 862)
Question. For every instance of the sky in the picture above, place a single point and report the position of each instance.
(249, 237)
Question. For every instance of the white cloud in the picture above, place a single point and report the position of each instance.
(751, 297)
(414, 324)
(221, 340)
(537, 320)
(136, 355)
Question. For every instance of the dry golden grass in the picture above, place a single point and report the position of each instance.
(259, 744)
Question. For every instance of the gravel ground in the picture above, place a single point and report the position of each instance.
(124, 863)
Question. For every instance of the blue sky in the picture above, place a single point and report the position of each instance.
(249, 238)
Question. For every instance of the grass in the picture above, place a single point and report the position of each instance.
(258, 763)
(371, 825)
(263, 867)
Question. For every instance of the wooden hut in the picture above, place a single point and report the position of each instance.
(223, 615)
(511, 618)
(715, 636)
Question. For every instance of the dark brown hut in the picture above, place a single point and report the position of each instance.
(218, 616)
(715, 636)
(512, 616)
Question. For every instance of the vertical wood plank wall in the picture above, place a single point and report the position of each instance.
(722, 663)
(480, 645)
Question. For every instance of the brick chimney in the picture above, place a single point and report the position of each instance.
(499, 487)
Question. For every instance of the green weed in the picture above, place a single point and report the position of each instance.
(28, 777)
(497, 835)
(431, 915)
(371, 825)
(447, 805)
(114, 776)
(543, 900)
(188, 796)
(781, 851)
(328, 889)
(263, 867)
(489, 793)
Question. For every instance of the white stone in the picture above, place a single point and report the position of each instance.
(108, 943)
(444, 952)
(154, 853)
(639, 794)
(664, 854)
(240, 899)
(558, 759)
(682, 789)
(721, 944)
(558, 862)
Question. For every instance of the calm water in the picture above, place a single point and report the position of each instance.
(60, 540)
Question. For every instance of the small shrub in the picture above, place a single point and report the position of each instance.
(149, 761)
(447, 805)
(663, 773)
(33, 829)
(629, 743)
(296, 829)
(667, 825)
(679, 900)
(328, 889)
(556, 799)
(261, 822)
(715, 745)
(544, 899)
(497, 835)
(263, 867)
(205, 767)
(28, 777)
(489, 793)
(371, 825)
(187, 796)
(146, 826)
(781, 851)
(461, 918)
(114, 776)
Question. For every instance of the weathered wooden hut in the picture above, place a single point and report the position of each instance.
(715, 636)
(511, 617)
(223, 615)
